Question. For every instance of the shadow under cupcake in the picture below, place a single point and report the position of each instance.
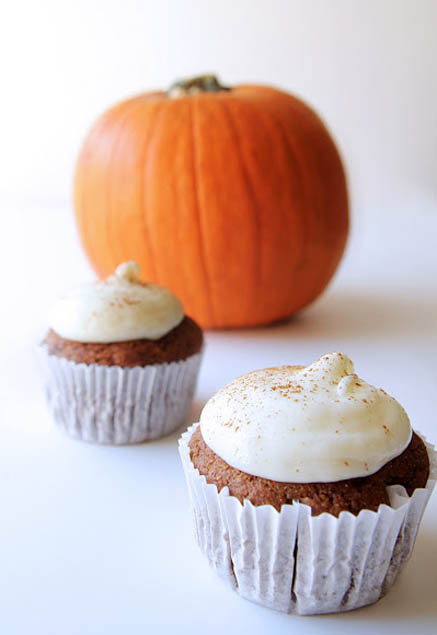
(120, 360)
(307, 486)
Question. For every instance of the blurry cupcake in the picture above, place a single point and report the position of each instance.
(120, 360)
(308, 486)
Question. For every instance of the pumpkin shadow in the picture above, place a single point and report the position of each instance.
(354, 315)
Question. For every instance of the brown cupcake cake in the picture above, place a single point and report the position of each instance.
(121, 360)
(308, 486)
(184, 340)
(410, 469)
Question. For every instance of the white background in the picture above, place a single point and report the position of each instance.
(98, 540)
(369, 68)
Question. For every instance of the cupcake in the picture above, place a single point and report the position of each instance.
(120, 360)
(307, 485)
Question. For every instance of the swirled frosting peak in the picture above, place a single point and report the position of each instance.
(117, 309)
(319, 423)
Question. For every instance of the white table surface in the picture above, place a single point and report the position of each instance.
(98, 540)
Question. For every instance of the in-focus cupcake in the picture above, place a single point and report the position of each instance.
(120, 360)
(308, 486)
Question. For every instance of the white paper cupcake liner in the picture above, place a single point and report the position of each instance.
(114, 405)
(297, 563)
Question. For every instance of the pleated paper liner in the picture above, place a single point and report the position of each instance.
(297, 563)
(114, 405)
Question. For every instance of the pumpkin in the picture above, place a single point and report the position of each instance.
(235, 199)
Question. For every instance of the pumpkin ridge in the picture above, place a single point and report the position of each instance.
(135, 105)
(81, 176)
(129, 251)
(273, 125)
(196, 174)
(301, 180)
(309, 216)
(79, 202)
(257, 282)
(145, 163)
(98, 130)
(306, 218)
(340, 234)
(300, 172)
(306, 215)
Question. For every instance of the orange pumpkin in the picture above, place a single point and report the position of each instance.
(235, 199)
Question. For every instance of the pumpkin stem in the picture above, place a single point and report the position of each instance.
(196, 85)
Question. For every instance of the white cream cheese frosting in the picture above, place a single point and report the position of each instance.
(319, 423)
(117, 309)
